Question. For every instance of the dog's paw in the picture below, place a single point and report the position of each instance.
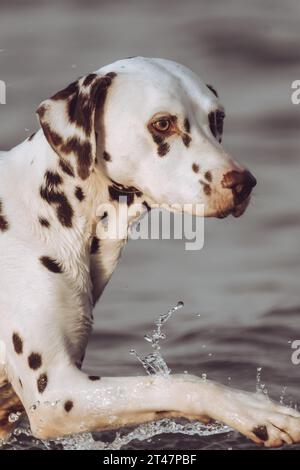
(260, 419)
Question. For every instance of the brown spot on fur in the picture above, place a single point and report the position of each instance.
(207, 189)
(3, 224)
(94, 246)
(42, 383)
(261, 432)
(89, 79)
(68, 405)
(117, 191)
(51, 264)
(186, 139)
(82, 106)
(106, 157)
(34, 361)
(195, 167)
(67, 92)
(83, 152)
(208, 176)
(3, 221)
(94, 377)
(64, 209)
(18, 343)
(52, 179)
(20, 382)
(82, 103)
(79, 193)
(66, 168)
(163, 149)
(44, 222)
(187, 126)
(53, 138)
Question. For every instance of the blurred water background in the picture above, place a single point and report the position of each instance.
(245, 282)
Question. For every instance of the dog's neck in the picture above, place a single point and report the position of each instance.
(79, 217)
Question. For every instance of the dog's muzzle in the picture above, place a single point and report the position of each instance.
(241, 184)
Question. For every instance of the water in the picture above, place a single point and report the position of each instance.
(154, 363)
(161, 434)
(244, 284)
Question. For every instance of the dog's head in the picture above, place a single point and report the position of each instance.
(153, 125)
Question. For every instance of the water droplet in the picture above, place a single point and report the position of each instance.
(13, 417)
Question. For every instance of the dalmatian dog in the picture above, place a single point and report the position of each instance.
(148, 130)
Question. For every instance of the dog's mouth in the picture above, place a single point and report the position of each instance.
(237, 210)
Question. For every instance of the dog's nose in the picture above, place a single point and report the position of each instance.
(241, 183)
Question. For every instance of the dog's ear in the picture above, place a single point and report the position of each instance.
(68, 120)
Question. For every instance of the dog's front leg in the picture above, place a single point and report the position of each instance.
(68, 401)
(73, 402)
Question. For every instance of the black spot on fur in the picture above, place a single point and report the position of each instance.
(66, 168)
(261, 432)
(44, 222)
(145, 203)
(212, 89)
(94, 377)
(106, 157)
(105, 214)
(68, 405)
(42, 383)
(34, 361)
(94, 245)
(31, 137)
(3, 221)
(79, 193)
(220, 115)
(18, 343)
(216, 121)
(187, 126)
(20, 382)
(212, 123)
(51, 264)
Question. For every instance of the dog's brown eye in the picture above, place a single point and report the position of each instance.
(162, 125)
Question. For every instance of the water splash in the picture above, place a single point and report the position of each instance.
(260, 387)
(154, 363)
